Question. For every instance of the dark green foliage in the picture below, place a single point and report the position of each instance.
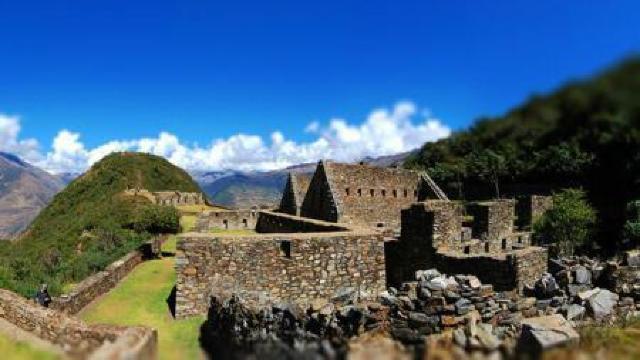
(586, 135)
(91, 224)
(156, 219)
(632, 225)
(569, 224)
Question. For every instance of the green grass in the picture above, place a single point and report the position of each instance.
(187, 222)
(232, 232)
(140, 299)
(18, 350)
(608, 342)
(196, 208)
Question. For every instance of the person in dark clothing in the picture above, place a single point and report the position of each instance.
(42, 296)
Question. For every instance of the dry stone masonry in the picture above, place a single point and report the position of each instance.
(361, 194)
(284, 266)
(294, 193)
(77, 339)
(433, 235)
(227, 220)
(172, 198)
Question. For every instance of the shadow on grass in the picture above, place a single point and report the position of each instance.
(171, 302)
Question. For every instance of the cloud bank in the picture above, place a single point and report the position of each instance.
(385, 131)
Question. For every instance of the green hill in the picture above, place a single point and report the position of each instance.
(90, 223)
(585, 134)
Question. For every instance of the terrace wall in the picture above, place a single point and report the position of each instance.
(299, 267)
(97, 284)
(227, 220)
(78, 339)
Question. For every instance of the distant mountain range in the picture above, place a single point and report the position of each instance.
(24, 191)
(237, 189)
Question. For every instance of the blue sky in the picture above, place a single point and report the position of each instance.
(202, 72)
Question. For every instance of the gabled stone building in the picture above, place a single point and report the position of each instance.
(294, 193)
(361, 194)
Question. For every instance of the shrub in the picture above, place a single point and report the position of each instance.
(156, 219)
(631, 230)
(569, 224)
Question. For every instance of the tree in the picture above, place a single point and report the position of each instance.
(631, 230)
(489, 166)
(569, 223)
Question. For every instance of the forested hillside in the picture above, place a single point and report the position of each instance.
(585, 134)
(90, 224)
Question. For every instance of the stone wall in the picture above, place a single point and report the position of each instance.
(509, 271)
(97, 284)
(270, 222)
(294, 192)
(77, 339)
(621, 279)
(433, 236)
(319, 202)
(169, 197)
(300, 267)
(530, 208)
(493, 220)
(227, 220)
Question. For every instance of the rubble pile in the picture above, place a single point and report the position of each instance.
(474, 316)
(581, 289)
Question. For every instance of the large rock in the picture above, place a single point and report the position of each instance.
(583, 276)
(437, 283)
(575, 312)
(632, 258)
(423, 275)
(601, 304)
(546, 332)
(546, 287)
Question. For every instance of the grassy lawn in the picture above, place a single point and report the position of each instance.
(196, 208)
(232, 232)
(604, 342)
(188, 222)
(141, 299)
(21, 351)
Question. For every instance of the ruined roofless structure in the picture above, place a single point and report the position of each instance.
(294, 192)
(362, 194)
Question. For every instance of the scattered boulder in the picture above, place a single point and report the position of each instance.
(546, 332)
(601, 303)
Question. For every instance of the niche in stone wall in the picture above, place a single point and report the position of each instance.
(285, 249)
(346, 191)
(244, 222)
(359, 192)
(372, 192)
(225, 223)
(395, 193)
(504, 244)
(384, 192)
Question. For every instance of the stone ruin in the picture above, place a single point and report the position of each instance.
(360, 194)
(243, 219)
(290, 259)
(344, 240)
(434, 234)
(169, 198)
(294, 192)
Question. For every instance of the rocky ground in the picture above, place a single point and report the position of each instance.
(435, 311)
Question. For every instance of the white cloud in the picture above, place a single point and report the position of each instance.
(9, 142)
(383, 132)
